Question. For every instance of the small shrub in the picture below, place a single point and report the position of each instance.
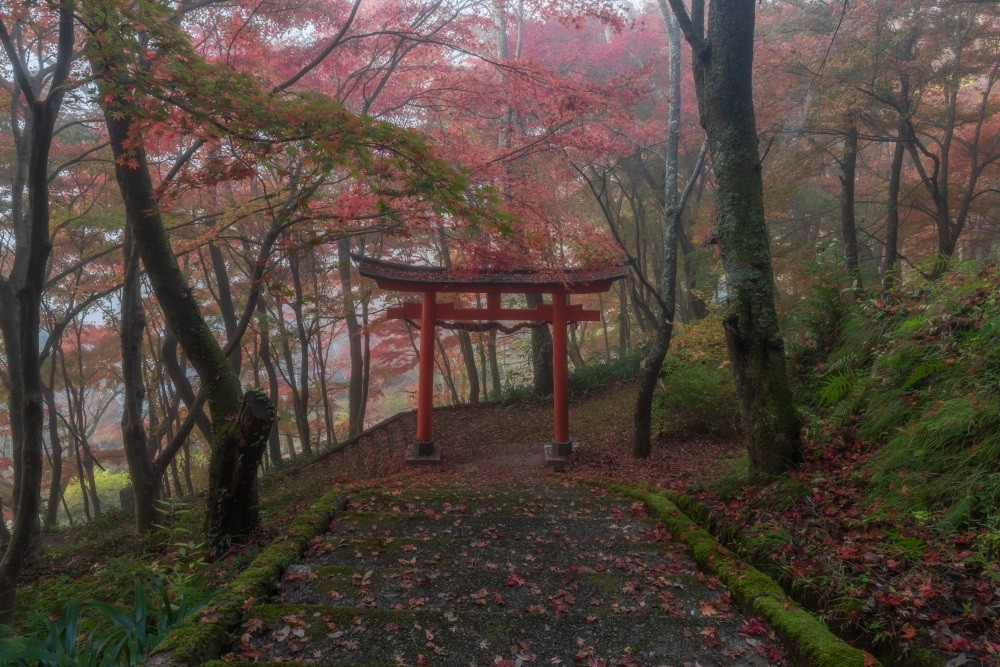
(698, 398)
(607, 371)
(584, 379)
(108, 482)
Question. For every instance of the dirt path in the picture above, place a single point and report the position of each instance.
(493, 561)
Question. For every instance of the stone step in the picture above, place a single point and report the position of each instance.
(517, 502)
(676, 590)
(381, 552)
(323, 634)
(606, 531)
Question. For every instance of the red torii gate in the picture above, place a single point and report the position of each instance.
(429, 281)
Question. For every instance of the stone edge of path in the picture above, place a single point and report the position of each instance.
(806, 637)
(205, 636)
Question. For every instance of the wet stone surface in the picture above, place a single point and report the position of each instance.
(479, 572)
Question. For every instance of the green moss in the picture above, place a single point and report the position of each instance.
(606, 582)
(806, 636)
(207, 635)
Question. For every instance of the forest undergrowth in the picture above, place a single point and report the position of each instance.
(892, 523)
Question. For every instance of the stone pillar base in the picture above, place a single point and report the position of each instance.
(423, 453)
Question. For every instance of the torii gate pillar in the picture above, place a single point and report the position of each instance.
(561, 444)
(425, 386)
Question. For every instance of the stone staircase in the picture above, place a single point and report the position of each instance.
(538, 571)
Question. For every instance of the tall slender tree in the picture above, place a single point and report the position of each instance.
(28, 467)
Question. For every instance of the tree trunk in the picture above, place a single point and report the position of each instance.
(302, 397)
(168, 355)
(256, 416)
(355, 387)
(697, 308)
(445, 366)
(226, 307)
(187, 467)
(292, 380)
(573, 349)
(9, 310)
(366, 355)
(464, 339)
(4, 531)
(723, 70)
(623, 333)
(81, 479)
(890, 264)
(491, 354)
(274, 437)
(29, 299)
(541, 353)
(652, 364)
(604, 327)
(142, 472)
(848, 225)
(234, 451)
(88, 467)
(55, 446)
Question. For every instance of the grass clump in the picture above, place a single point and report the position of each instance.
(618, 366)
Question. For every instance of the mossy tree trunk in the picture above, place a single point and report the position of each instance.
(235, 452)
(723, 70)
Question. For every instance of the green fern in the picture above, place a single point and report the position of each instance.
(922, 372)
(836, 387)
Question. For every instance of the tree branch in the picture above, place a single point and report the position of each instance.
(20, 73)
(692, 33)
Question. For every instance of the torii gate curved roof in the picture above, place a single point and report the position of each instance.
(407, 278)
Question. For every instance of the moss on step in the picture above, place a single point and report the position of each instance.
(206, 635)
(797, 587)
(807, 637)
